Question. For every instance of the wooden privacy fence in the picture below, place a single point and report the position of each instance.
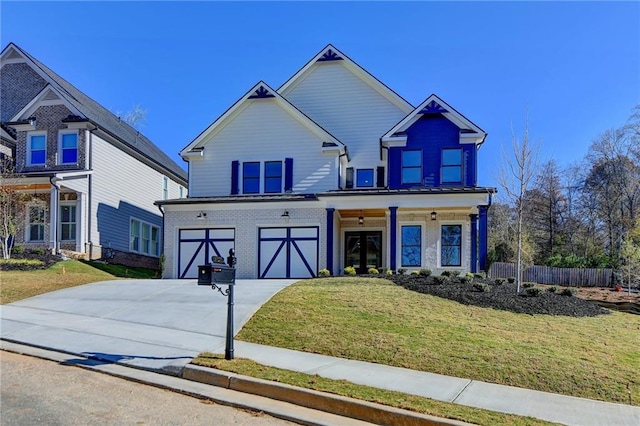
(576, 277)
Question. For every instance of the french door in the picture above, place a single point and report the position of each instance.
(363, 250)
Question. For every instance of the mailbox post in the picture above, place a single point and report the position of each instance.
(216, 274)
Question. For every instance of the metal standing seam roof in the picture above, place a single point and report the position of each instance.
(109, 122)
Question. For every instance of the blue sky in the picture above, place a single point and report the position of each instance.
(575, 66)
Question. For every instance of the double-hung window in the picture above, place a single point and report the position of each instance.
(411, 166)
(37, 149)
(273, 177)
(68, 222)
(251, 178)
(165, 188)
(144, 238)
(35, 228)
(452, 165)
(68, 147)
(451, 245)
(411, 245)
(364, 178)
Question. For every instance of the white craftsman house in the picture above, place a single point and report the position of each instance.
(332, 169)
(88, 181)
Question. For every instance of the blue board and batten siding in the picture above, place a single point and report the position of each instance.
(432, 133)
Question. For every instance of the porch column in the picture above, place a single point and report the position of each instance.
(474, 242)
(330, 212)
(81, 234)
(482, 237)
(393, 220)
(53, 218)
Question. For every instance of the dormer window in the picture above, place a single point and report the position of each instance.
(452, 165)
(37, 149)
(251, 178)
(273, 176)
(411, 166)
(68, 147)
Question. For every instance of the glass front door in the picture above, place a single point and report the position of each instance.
(363, 250)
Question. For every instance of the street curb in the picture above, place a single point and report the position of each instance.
(335, 404)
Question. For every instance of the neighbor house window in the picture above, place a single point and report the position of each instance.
(68, 147)
(411, 166)
(364, 178)
(35, 227)
(181, 192)
(144, 238)
(451, 245)
(273, 176)
(68, 222)
(165, 187)
(411, 245)
(37, 149)
(451, 165)
(251, 178)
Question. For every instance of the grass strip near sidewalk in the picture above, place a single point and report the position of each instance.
(18, 285)
(365, 393)
(375, 321)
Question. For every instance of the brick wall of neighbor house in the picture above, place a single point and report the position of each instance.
(130, 259)
(49, 118)
(20, 84)
(246, 224)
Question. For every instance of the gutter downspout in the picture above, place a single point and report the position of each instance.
(161, 254)
(89, 191)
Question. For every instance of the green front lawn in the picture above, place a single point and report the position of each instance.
(373, 320)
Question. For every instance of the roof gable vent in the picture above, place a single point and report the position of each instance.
(329, 55)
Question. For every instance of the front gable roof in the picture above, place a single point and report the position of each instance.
(260, 92)
(331, 54)
(469, 132)
(91, 110)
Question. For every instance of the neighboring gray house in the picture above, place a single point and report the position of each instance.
(90, 180)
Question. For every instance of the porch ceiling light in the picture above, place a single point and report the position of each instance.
(361, 219)
(434, 215)
(285, 214)
(201, 215)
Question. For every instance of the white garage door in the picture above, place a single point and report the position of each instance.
(288, 252)
(198, 246)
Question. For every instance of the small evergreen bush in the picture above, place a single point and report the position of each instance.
(446, 273)
(402, 271)
(372, 271)
(18, 249)
(569, 291)
(528, 285)
(480, 275)
(349, 270)
(323, 273)
(466, 278)
(499, 281)
(415, 272)
(482, 287)
(425, 272)
(455, 274)
(441, 279)
(534, 291)
(511, 280)
(389, 272)
(552, 289)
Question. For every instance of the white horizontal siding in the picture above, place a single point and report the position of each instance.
(348, 108)
(263, 131)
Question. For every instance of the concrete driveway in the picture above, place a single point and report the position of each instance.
(153, 324)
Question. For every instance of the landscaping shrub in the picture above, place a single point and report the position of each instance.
(425, 272)
(499, 281)
(455, 274)
(511, 280)
(18, 250)
(446, 273)
(552, 289)
(480, 275)
(372, 271)
(569, 291)
(349, 270)
(415, 272)
(466, 278)
(389, 272)
(37, 251)
(534, 291)
(323, 273)
(482, 287)
(528, 285)
(441, 279)
(402, 271)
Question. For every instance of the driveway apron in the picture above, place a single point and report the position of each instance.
(151, 324)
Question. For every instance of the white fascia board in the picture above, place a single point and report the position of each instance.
(392, 142)
(36, 102)
(463, 201)
(243, 206)
(72, 175)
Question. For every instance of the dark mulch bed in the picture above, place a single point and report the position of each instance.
(502, 297)
(46, 258)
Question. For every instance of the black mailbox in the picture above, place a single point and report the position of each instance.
(222, 274)
(204, 274)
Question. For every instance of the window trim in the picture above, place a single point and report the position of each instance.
(142, 223)
(30, 151)
(165, 188)
(358, 178)
(27, 236)
(422, 241)
(403, 167)
(443, 166)
(61, 134)
(462, 243)
(280, 177)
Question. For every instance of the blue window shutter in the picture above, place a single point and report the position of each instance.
(235, 167)
(349, 183)
(380, 177)
(288, 174)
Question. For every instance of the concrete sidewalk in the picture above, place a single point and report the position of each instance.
(160, 325)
